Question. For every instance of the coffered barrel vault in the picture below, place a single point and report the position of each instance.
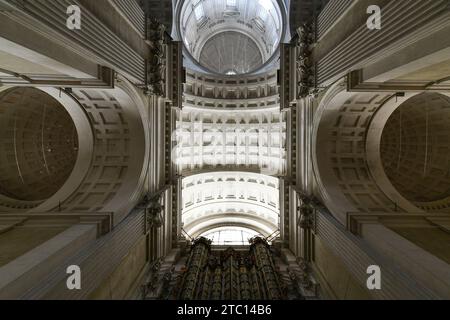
(230, 199)
(230, 124)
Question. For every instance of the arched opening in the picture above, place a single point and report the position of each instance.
(39, 143)
(415, 150)
(379, 152)
(230, 236)
(51, 162)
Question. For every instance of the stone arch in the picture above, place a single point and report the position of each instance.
(408, 150)
(110, 170)
(344, 170)
(258, 226)
(29, 101)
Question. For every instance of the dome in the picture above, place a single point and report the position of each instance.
(39, 144)
(231, 37)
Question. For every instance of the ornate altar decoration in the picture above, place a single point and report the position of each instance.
(205, 273)
(230, 274)
(156, 64)
(305, 71)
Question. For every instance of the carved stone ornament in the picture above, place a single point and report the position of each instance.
(306, 213)
(156, 65)
(302, 276)
(153, 209)
(305, 67)
(150, 287)
(306, 216)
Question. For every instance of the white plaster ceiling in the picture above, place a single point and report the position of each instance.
(211, 26)
(224, 199)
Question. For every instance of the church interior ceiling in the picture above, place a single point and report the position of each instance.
(224, 150)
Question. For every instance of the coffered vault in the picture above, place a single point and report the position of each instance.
(230, 139)
(231, 36)
(230, 199)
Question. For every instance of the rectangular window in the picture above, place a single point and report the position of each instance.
(231, 3)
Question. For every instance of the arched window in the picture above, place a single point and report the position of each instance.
(230, 236)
